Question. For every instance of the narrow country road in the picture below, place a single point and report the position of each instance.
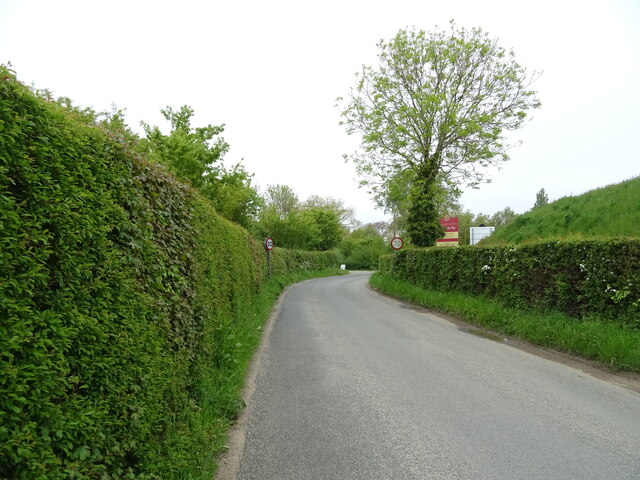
(350, 384)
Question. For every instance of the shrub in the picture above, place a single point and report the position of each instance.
(121, 290)
(580, 278)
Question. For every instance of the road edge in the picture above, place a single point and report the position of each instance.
(229, 461)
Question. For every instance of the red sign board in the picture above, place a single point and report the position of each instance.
(450, 225)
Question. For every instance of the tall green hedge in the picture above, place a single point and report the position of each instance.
(580, 278)
(119, 289)
(289, 261)
(98, 328)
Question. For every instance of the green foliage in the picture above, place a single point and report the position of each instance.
(500, 218)
(423, 225)
(437, 105)
(122, 299)
(403, 190)
(195, 155)
(541, 198)
(466, 220)
(282, 200)
(279, 218)
(580, 278)
(191, 154)
(233, 196)
(602, 213)
(614, 345)
(284, 261)
(79, 344)
(326, 230)
(314, 225)
(345, 215)
(385, 264)
(290, 232)
(362, 248)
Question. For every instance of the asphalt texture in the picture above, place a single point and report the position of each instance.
(351, 384)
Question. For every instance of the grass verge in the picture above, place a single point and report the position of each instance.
(615, 346)
(221, 385)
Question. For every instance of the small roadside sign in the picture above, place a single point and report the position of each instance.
(397, 243)
(268, 246)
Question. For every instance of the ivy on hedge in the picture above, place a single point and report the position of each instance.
(119, 289)
(580, 278)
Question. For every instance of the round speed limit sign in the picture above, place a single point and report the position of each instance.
(268, 244)
(396, 243)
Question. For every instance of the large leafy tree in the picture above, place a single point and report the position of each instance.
(282, 200)
(279, 218)
(233, 195)
(196, 155)
(433, 115)
(502, 218)
(346, 215)
(326, 231)
(193, 154)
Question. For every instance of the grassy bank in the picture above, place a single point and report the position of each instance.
(616, 346)
(600, 213)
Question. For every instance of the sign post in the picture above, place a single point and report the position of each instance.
(268, 246)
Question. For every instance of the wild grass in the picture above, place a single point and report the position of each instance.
(606, 212)
(613, 345)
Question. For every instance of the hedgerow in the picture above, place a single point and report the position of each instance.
(120, 292)
(290, 261)
(579, 278)
(97, 328)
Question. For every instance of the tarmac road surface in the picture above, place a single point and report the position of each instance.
(351, 384)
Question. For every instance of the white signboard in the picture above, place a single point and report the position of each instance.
(478, 233)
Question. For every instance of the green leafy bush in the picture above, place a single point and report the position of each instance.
(121, 291)
(580, 278)
(97, 327)
(290, 261)
(363, 253)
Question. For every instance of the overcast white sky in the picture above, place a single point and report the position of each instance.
(271, 71)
